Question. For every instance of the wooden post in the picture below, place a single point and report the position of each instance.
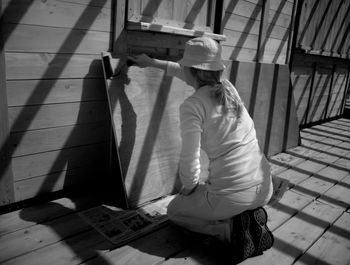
(310, 93)
(119, 36)
(263, 30)
(346, 91)
(219, 5)
(329, 91)
(6, 175)
(294, 32)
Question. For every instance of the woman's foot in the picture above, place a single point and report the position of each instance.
(261, 234)
(242, 243)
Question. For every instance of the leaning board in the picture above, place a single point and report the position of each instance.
(144, 105)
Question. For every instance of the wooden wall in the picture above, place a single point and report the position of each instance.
(58, 117)
(258, 40)
(324, 28)
(320, 70)
(319, 86)
(257, 30)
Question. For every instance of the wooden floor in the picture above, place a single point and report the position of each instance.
(311, 223)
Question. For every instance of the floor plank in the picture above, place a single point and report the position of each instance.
(71, 251)
(338, 195)
(31, 216)
(289, 205)
(333, 247)
(314, 186)
(309, 166)
(150, 249)
(310, 223)
(294, 176)
(285, 159)
(41, 235)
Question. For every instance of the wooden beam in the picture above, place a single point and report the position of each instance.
(314, 66)
(292, 25)
(329, 92)
(219, 7)
(144, 26)
(264, 23)
(346, 91)
(6, 175)
(294, 31)
(119, 31)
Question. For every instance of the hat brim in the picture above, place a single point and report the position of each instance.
(209, 66)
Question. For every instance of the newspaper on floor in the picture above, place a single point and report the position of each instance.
(120, 226)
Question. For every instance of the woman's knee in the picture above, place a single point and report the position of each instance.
(174, 208)
(171, 209)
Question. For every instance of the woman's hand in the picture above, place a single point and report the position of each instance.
(142, 60)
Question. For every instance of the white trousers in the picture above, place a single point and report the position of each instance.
(206, 213)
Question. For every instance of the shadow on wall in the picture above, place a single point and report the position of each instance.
(250, 29)
(146, 127)
(76, 136)
(324, 27)
(319, 86)
(268, 97)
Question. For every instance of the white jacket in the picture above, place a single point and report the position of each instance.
(235, 159)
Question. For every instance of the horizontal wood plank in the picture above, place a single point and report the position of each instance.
(37, 92)
(238, 53)
(29, 38)
(165, 243)
(289, 205)
(153, 27)
(105, 4)
(294, 176)
(244, 8)
(240, 39)
(151, 39)
(338, 195)
(310, 167)
(31, 142)
(78, 178)
(241, 24)
(13, 221)
(38, 236)
(50, 162)
(56, 115)
(279, 19)
(51, 66)
(332, 247)
(287, 159)
(57, 13)
(85, 246)
(314, 186)
(282, 6)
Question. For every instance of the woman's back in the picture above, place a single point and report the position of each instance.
(236, 161)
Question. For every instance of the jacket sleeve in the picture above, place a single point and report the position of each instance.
(191, 119)
(175, 69)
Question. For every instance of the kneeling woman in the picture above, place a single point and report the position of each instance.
(215, 119)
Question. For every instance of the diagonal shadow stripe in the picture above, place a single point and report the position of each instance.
(335, 16)
(319, 26)
(327, 134)
(307, 23)
(41, 91)
(150, 139)
(338, 35)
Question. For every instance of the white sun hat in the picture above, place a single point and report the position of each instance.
(202, 53)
